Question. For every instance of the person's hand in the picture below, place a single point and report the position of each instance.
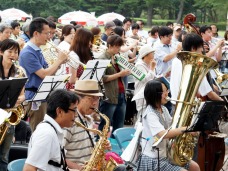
(124, 72)
(20, 100)
(108, 145)
(220, 43)
(63, 56)
(21, 42)
(152, 64)
(179, 47)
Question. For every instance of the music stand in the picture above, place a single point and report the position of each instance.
(9, 91)
(208, 115)
(206, 121)
(49, 84)
(95, 69)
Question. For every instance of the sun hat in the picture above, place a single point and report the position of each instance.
(87, 87)
(145, 50)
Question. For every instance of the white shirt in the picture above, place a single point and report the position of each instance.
(44, 145)
(143, 33)
(64, 69)
(151, 127)
(175, 80)
(142, 66)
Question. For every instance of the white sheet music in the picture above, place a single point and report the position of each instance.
(129, 152)
(49, 84)
(160, 139)
(102, 65)
(224, 92)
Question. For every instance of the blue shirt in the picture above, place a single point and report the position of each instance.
(32, 60)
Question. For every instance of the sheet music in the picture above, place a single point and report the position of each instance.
(224, 92)
(49, 84)
(195, 115)
(160, 139)
(102, 65)
(129, 152)
(4, 115)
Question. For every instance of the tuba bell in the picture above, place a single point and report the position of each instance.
(17, 114)
(195, 67)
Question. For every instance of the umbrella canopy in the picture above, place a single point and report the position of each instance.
(104, 18)
(81, 17)
(14, 14)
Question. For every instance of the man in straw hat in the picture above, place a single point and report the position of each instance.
(78, 142)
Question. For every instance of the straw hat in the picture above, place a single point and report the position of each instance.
(87, 87)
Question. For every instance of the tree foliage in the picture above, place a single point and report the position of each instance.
(206, 10)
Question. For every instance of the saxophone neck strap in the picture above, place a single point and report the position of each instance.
(91, 140)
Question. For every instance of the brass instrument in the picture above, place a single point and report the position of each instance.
(17, 114)
(50, 59)
(99, 46)
(220, 77)
(97, 159)
(195, 67)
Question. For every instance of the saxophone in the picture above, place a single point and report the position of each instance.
(195, 67)
(17, 114)
(97, 159)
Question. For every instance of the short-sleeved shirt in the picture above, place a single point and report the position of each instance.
(151, 127)
(32, 60)
(77, 142)
(162, 50)
(175, 80)
(44, 145)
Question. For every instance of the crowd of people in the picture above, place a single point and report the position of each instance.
(55, 141)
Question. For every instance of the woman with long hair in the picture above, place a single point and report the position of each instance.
(81, 49)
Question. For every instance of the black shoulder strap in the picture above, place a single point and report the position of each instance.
(62, 153)
(92, 143)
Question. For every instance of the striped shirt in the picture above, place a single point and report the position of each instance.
(77, 142)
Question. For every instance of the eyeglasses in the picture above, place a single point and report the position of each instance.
(166, 91)
(47, 34)
(93, 98)
(73, 110)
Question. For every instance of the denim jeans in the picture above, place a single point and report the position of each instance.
(115, 112)
(5, 147)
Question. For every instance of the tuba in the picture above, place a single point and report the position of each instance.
(97, 159)
(17, 114)
(195, 67)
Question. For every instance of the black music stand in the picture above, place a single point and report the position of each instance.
(95, 69)
(207, 119)
(49, 84)
(208, 116)
(9, 91)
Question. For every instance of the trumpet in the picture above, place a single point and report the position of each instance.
(72, 60)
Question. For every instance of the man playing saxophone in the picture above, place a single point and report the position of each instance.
(78, 142)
